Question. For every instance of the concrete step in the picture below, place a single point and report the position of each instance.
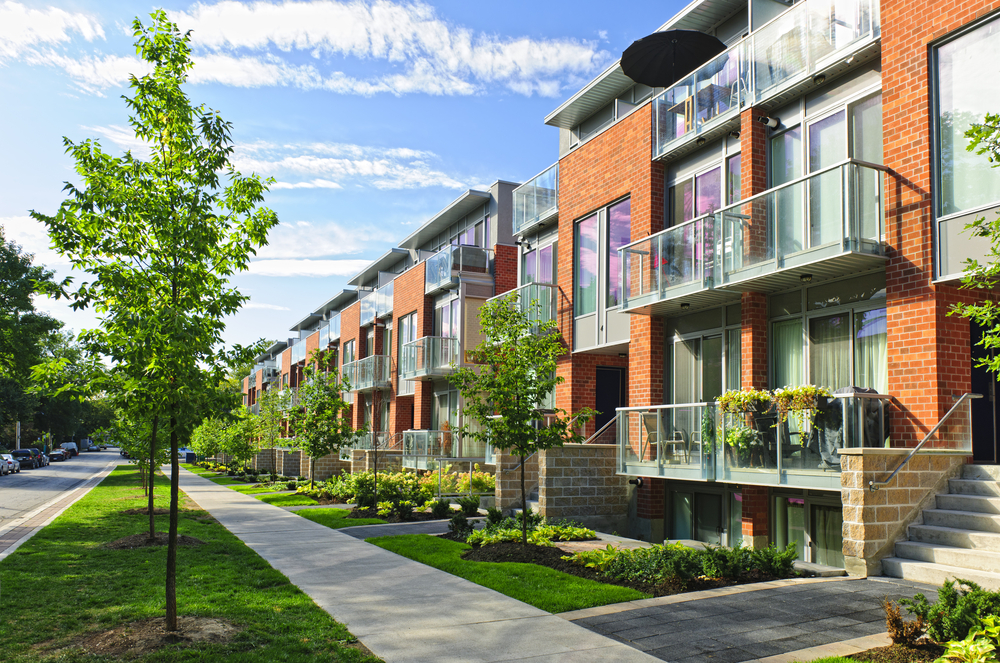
(983, 522)
(532, 506)
(975, 503)
(974, 487)
(983, 472)
(957, 538)
(936, 574)
(966, 558)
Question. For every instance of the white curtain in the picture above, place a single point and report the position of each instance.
(871, 359)
(829, 351)
(787, 347)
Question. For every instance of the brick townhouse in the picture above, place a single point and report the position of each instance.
(789, 213)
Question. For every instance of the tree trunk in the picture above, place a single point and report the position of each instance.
(152, 473)
(524, 508)
(312, 472)
(172, 537)
(375, 449)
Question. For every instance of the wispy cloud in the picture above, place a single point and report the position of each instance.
(302, 239)
(265, 307)
(315, 268)
(22, 28)
(91, 73)
(33, 238)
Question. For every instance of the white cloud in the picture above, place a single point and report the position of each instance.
(92, 73)
(22, 28)
(302, 239)
(33, 237)
(265, 307)
(312, 184)
(307, 267)
(436, 56)
(123, 137)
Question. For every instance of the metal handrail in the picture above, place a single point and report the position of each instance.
(603, 428)
(874, 485)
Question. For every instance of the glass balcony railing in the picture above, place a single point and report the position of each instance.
(674, 441)
(805, 40)
(421, 448)
(368, 306)
(538, 301)
(335, 327)
(430, 356)
(299, 351)
(366, 442)
(324, 335)
(674, 263)
(536, 200)
(710, 95)
(831, 220)
(369, 373)
(383, 300)
(442, 270)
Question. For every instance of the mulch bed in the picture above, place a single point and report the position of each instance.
(145, 512)
(924, 650)
(142, 541)
(552, 558)
(150, 635)
(415, 517)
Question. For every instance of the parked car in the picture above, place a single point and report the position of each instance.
(42, 458)
(71, 448)
(12, 464)
(27, 459)
(4, 467)
(57, 455)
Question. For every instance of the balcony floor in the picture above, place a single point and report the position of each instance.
(763, 278)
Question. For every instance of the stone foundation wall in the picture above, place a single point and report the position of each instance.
(874, 521)
(264, 460)
(508, 479)
(326, 467)
(286, 462)
(578, 481)
(363, 460)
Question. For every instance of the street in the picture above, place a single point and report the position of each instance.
(24, 492)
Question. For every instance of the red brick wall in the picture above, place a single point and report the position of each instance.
(408, 297)
(505, 259)
(650, 498)
(579, 390)
(612, 165)
(755, 511)
(928, 352)
(350, 330)
(286, 367)
(753, 341)
(312, 344)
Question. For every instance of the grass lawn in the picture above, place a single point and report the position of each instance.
(536, 585)
(834, 659)
(336, 518)
(254, 489)
(227, 481)
(63, 583)
(288, 499)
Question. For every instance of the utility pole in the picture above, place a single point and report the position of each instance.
(17, 435)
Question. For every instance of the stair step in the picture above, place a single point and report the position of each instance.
(982, 472)
(986, 487)
(984, 522)
(976, 503)
(966, 558)
(936, 574)
(957, 538)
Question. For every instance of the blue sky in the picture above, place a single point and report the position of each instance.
(371, 116)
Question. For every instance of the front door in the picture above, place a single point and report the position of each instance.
(985, 410)
(610, 393)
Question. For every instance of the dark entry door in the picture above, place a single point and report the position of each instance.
(985, 411)
(610, 393)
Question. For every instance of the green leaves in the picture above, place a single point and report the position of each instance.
(321, 423)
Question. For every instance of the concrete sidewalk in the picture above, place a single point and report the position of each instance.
(400, 609)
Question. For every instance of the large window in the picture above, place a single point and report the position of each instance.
(619, 234)
(704, 192)
(446, 318)
(967, 89)
(585, 286)
(539, 265)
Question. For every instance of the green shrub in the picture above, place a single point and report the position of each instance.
(441, 508)
(291, 485)
(469, 505)
(459, 526)
(960, 607)
(542, 535)
(493, 516)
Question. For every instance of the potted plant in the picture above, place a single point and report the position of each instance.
(801, 402)
(741, 401)
(745, 444)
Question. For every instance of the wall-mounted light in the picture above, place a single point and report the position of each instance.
(685, 306)
(623, 355)
(806, 278)
(819, 79)
(735, 133)
(636, 482)
(770, 122)
(700, 141)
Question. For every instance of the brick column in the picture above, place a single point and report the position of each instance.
(755, 516)
(649, 525)
(508, 480)
(753, 341)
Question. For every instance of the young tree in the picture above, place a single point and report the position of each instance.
(984, 140)
(273, 407)
(516, 371)
(207, 438)
(161, 237)
(322, 425)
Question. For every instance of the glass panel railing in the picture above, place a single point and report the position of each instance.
(421, 448)
(538, 301)
(369, 373)
(711, 94)
(668, 440)
(442, 269)
(368, 307)
(383, 300)
(298, 351)
(324, 335)
(677, 256)
(429, 356)
(805, 38)
(834, 211)
(335, 327)
(537, 199)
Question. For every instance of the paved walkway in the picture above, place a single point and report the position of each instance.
(754, 622)
(400, 609)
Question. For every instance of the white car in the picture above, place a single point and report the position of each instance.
(12, 463)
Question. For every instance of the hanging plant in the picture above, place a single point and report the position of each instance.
(738, 401)
(801, 401)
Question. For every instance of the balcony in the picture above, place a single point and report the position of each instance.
(774, 64)
(696, 442)
(429, 357)
(422, 448)
(824, 225)
(367, 442)
(367, 308)
(546, 295)
(298, 351)
(444, 269)
(537, 200)
(369, 374)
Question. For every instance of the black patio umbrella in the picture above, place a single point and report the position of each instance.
(663, 58)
